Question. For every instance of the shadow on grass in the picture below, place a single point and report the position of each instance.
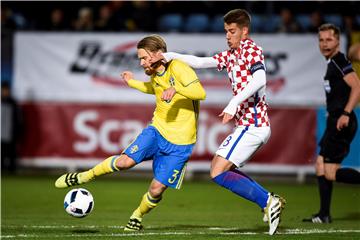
(259, 229)
(349, 216)
(85, 231)
(209, 227)
(181, 227)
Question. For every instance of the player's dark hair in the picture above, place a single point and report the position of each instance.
(152, 43)
(239, 16)
(330, 26)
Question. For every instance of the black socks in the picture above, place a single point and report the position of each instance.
(348, 175)
(325, 190)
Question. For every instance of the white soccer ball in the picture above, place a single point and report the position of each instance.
(78, 202)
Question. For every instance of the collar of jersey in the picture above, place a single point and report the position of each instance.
(161, 74)
(238, 49)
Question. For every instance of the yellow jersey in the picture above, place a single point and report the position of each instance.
(176, 120)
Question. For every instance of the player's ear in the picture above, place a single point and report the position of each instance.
(245, 30)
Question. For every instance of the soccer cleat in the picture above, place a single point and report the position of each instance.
(273, 211)
(133, 225)
(317, 218)
(265, 218)
(67, 180)
(283, 202)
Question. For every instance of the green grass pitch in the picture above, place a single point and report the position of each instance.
(32, 208)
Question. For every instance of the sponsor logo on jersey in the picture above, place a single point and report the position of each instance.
(134, 149)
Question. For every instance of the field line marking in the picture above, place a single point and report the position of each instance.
(213, 231)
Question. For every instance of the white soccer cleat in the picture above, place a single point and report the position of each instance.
(283, 202)
(265, 218)
(273, 211)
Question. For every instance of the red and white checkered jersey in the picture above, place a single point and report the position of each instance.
(238, 63)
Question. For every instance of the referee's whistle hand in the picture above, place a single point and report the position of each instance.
(342, 122)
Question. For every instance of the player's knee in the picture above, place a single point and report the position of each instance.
(156, 190)
(124, 162)
(219, 165)
(213, 174)
(330, 175)
(319, 167)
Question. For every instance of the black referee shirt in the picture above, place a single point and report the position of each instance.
(336, 89)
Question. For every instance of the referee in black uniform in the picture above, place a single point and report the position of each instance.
(342, 87)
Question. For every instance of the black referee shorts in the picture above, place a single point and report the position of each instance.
(334, 144)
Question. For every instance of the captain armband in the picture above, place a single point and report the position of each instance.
(257, 66)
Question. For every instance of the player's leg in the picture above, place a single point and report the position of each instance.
(235, 151)
(142, 148)
(330, 170)
(335, 145)
(148, 202)
(233, 180)
(325, 191)
(244, 186)
(169, 166)
(109, 165)
(347, 175)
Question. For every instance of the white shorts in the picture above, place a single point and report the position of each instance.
(240, 145)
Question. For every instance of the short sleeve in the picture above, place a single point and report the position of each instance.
(221, 59)
(183, 73)
(343, 64)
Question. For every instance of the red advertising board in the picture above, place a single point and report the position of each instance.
(81, 131)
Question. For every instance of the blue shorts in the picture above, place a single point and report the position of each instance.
(169, 160)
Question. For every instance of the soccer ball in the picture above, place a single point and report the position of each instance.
(78, 202)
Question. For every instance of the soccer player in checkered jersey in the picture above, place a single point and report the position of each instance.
(244, 63)
(342, 87)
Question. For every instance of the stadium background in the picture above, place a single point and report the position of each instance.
(62, 60)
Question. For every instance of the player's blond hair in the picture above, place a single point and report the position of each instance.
(239, 16)
(152, 43)
(330, 26)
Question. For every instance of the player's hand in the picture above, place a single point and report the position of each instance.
(342, 122)
(126, 76)
(226, 117)
(168, 94)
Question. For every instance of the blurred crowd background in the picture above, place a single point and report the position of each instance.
(288, 17)
(164, 16)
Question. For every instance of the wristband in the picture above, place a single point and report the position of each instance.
(346, 113)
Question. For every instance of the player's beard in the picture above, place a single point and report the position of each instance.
(149, 71)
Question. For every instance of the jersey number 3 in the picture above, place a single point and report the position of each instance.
(174, 176)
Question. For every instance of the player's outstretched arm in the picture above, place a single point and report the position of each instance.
(191, 60)
(144, 87)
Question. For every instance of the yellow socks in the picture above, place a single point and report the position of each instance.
(147, 203)
(106, 166)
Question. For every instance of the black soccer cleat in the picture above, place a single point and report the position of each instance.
(67, 180)
(133, 225)
(317, 218)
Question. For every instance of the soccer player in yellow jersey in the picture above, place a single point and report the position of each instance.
(169, 138)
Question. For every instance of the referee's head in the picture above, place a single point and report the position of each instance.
(330, 27)
(329, 40)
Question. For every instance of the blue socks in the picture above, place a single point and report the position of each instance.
(244, 186)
